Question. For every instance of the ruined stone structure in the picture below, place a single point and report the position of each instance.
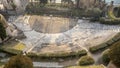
(90, 3)
(11, 29)
(17, 5)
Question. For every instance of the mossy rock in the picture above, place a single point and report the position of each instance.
(86, 60)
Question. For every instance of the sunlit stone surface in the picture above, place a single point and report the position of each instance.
(82, 36)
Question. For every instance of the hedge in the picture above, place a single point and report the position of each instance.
(105, 44)
(98, 47)
(57, 55)
(86, 60)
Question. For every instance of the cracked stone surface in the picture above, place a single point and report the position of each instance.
(82, 36)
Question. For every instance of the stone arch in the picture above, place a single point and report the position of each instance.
(113, 12)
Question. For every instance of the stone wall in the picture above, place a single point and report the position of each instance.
(6, 4)
(86, 3)
(20, 5)
(90, 3)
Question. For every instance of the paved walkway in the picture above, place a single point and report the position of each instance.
(47, 64)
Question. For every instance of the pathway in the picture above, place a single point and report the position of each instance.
(47, 64)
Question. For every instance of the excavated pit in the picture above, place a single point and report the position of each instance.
(49, 24)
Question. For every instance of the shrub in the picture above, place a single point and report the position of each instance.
(86, 60)
(19, 61)
(105, 56)
(58, 55)
(114, 53)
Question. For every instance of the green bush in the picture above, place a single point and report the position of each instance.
(19, 61)
(86, 60)
(114, 53)
(105, 56)
(58, 55)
